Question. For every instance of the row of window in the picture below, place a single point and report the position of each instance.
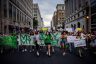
(93, 9)
(23, 5)
(15, 14)
(78, 25)
(75, 16)
(93, 21)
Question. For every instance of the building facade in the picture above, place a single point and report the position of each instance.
(37, 15)
(15, 15)
(93, 15)
(58, 16)
(54, 20)
(77, 14)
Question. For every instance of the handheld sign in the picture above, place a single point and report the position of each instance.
(79, 43)
(71, 39)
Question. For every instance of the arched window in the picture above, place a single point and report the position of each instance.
(71, 25)
(78, 24)
(74, 26)
(83, 26)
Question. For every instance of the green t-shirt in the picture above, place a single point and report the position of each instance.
(48, 38)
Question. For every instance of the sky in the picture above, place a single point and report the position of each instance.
(47, 8)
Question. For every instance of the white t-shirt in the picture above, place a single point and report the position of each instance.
(36, 37)
(82, 36)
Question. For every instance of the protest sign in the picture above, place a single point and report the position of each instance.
(79, 43)
(71, 39)
(24, 39)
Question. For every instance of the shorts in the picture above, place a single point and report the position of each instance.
(62, 42)
(47, 43)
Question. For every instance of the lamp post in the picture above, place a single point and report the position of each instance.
(87, 23)
(88, 16)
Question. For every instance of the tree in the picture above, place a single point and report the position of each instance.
(35, 23)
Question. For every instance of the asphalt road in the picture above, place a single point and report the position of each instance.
(56, 58)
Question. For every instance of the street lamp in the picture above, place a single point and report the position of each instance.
(87, 17)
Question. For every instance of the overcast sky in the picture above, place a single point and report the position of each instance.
(47, 8)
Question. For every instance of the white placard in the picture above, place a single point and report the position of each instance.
(71, 39)
(79, 43)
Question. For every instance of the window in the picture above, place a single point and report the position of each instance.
(78, 14)
(74, 17)
(0, 4)
(78, 24)
(83, 26)
(10, 10)
(24, 18)
(74, 26)
(71, 25)
(93, 9)
(14, 13)
(35, 11)
(62, 7)
(17, 15)
(29, 23)
(83, 12)
(20, 16)
(35, 14)
(5, 8)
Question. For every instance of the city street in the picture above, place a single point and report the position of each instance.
(56, 58)
(47, 31)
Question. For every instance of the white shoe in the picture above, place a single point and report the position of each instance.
(25, 50)
(30, 51)
(64, 53)
(37, 53)
(33, 49)
(53, 51)
(47, 53)
(1, 51)
(22, 50)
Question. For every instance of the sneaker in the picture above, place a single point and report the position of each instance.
(30, 51)
(33, 49)
(37, 53)
(22, 50)
(53, 51)
(25, 50)
(64, 53)
(1, 51)
(47, 53)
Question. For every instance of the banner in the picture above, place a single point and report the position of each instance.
(24, 39)
(56, 38)
(8, 41)
(79, 43)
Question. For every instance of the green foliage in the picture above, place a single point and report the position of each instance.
(35, 23)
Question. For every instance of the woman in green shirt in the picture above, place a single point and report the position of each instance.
(48, 39)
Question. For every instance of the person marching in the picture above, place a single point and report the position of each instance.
(63, 41)
(54, 40)
(32, 41)
(48, 39)
(37, 42)
(42, 39)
